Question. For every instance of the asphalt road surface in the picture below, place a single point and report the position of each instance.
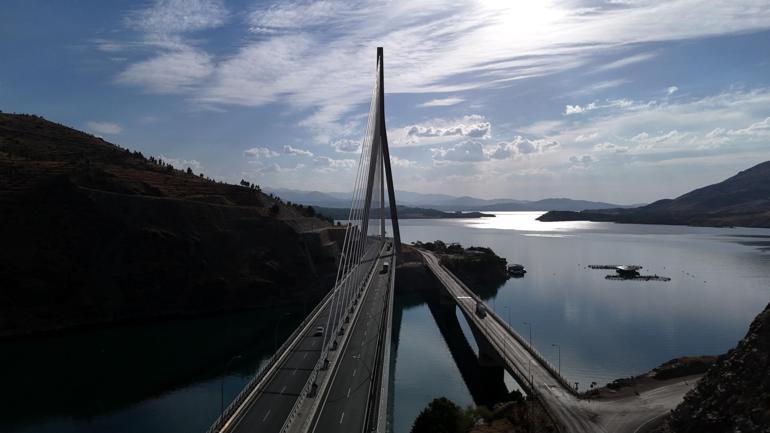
(344, 402)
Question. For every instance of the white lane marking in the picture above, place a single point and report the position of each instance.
(266, 415)
(304, 356)
(354, 372)
(342, 416)
(348, 391)
(293, 372)
(283, 389)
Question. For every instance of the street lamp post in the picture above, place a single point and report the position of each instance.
(222, 387)
(529, 358)
(530, 334)
(558, 348)
(275, 332)
(507, 307)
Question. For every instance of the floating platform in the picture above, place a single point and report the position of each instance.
(630, 267)
(638, 277)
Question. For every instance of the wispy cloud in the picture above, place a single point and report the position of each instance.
(442, 102)
(288, 149)
(260, 152)
(106, 128)
(626, 61)
(296, 58)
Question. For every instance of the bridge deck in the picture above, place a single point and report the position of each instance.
(559, 401)
(268, 410)
(343, 405)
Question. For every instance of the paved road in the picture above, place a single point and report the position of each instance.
(268, 410)
(344, 403)
(569, 412)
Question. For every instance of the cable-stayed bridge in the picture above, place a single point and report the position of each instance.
(331, 374)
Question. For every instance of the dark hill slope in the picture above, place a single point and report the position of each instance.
(742, 200)
(734, 395)
(93, 233)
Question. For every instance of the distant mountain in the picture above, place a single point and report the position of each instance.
(560, 204)
(742, 200)
(443, 202)
(404, 212)
(312, 198)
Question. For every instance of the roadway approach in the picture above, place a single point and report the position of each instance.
(351, 397)
(570, 413)
(350, 402)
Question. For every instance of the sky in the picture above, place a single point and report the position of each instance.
(626, 101)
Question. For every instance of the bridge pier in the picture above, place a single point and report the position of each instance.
(482, 374)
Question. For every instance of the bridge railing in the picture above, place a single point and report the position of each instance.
(532, 350)
(260, 374)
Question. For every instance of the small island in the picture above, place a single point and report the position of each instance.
(476, 266)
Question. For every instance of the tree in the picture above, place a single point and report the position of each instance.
(189, 170)
(442, 416)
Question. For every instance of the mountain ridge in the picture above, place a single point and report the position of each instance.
(740, 200)
(443, 202)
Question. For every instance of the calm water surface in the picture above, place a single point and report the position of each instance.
(167, 377)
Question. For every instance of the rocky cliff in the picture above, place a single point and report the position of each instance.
(734, 395)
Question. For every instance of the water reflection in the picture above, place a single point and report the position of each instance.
(606, 329)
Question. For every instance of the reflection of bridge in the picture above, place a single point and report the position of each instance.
(332, 373)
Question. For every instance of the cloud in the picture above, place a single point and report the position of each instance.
(598, 87)
(326, 164)
(177, 16)
(610, 147)
(577, 109)
(582, 160)
(260, 153)
(755, 129)
(473, 126)
(295, 58)
(346, 146)
(466, 151)
(182, 164)
(586, 137)
(288, 149)
(404, 163)
(170, 72)
(626, 61)
(442, 102)
(671, 90)
(105, 128)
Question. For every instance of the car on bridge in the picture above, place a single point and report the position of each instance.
(385, 267)
(481, 309)
(319, 331)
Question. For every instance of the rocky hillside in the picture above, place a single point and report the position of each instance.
(742, 200)
(96, 233)
(734, 395)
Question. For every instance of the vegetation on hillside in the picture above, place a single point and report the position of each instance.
(516, 416)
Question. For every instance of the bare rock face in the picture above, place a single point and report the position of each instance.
(734, 396)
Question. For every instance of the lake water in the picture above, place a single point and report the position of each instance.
(167, 377)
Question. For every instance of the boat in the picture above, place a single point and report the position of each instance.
(516, 270)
